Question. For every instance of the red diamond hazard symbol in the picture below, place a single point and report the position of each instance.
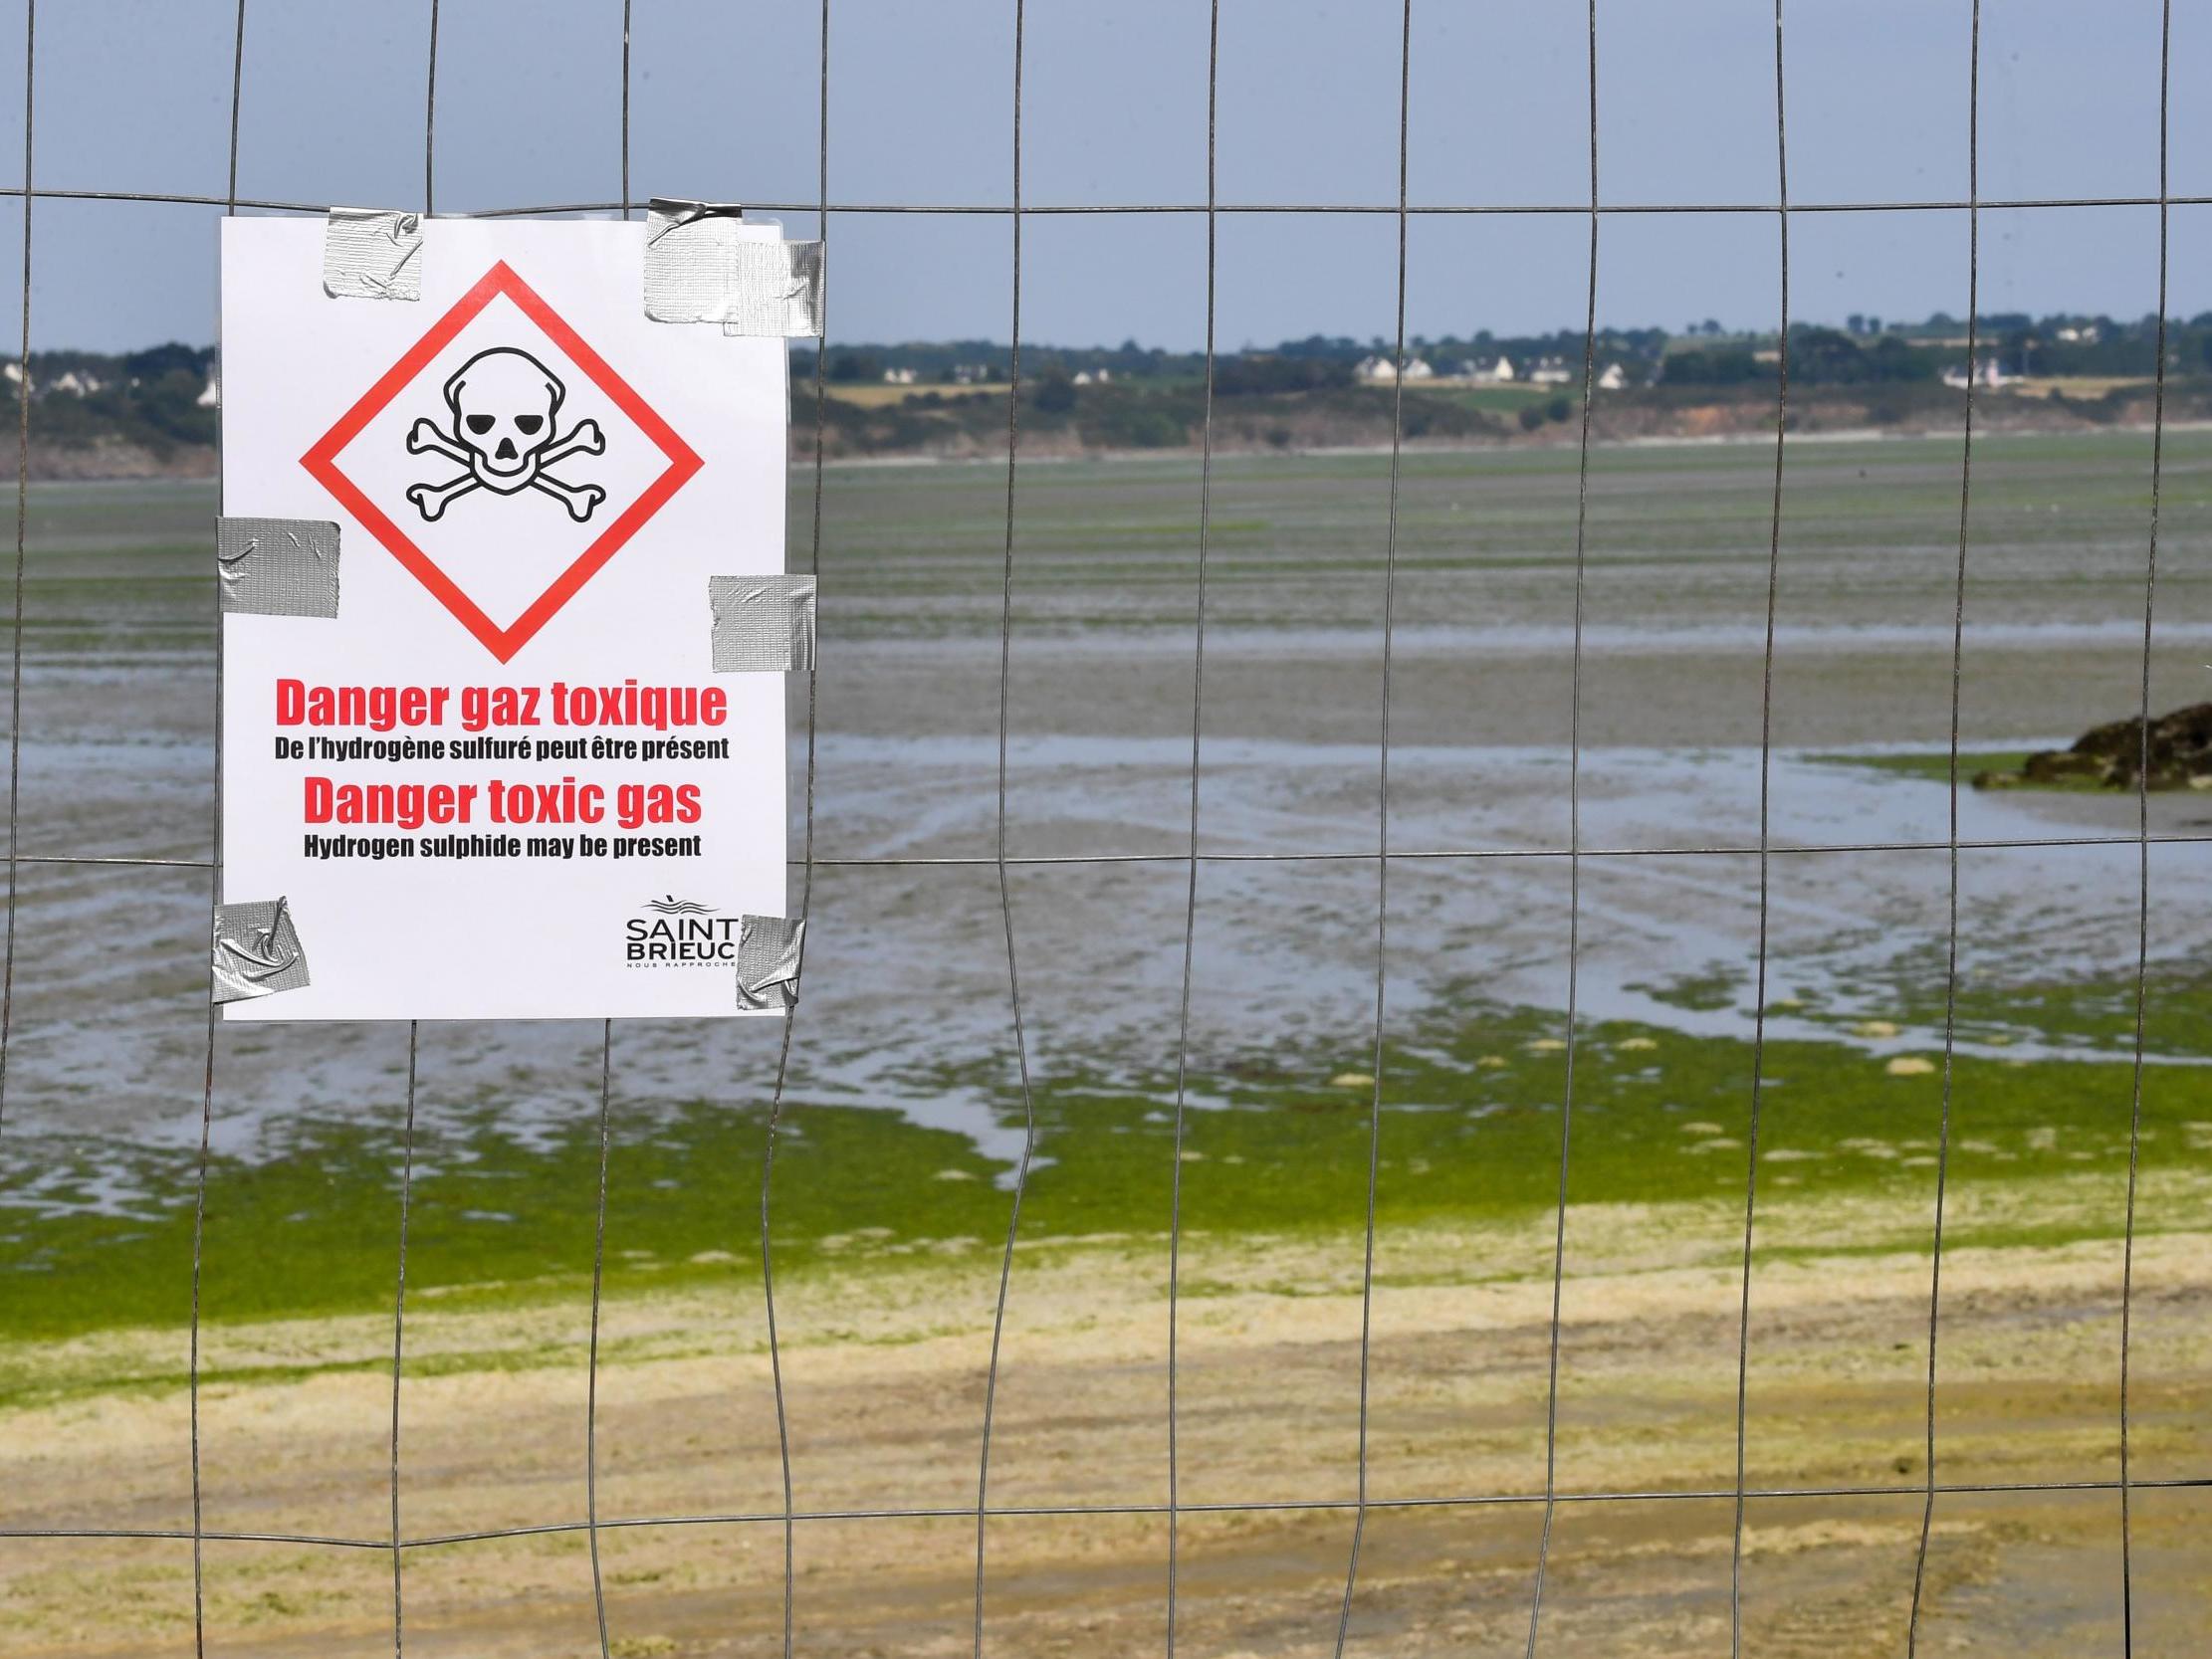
(498, 426)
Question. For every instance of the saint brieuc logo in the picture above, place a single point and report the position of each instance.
(503, 431)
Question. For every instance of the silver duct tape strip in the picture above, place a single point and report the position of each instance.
(687, 258)
(257, 951)
(675, 214)
(769, 950)
(372, 254)
(779, 293)
(762, 624)
(276, 566)
(703, 265)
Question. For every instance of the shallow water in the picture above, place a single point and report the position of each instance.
(907, 995)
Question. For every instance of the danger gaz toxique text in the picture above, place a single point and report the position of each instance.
(534, 816)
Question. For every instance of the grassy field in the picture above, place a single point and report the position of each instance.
(870, 395)
(1935, 767)
(2079, 385)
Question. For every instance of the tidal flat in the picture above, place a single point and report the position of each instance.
(1871, 1067)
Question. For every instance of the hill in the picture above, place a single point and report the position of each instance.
(156, 412)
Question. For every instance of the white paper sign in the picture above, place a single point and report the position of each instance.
(503, 781)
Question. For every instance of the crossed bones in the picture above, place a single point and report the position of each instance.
(499, 400)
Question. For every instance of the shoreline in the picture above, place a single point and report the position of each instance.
(200, 468)
(1567, 445)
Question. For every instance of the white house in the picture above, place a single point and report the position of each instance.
(1094, 377)
(211, 394)
(1613, 379)
(1551, 371)
(1497, 371)
(1988, 372)
(898, 377)
(77, 385)
(1383, 372)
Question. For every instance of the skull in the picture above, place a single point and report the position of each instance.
(503, 405)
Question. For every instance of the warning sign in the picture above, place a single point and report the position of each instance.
(497, 778)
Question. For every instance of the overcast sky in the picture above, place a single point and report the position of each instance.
(134, 94)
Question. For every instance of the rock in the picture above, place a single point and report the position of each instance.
(2111, 757)
(2057, 766)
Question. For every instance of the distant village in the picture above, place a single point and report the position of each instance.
(158, 410)
(1378, 370)
(1501, 370)
(1375, 369)
(2009, 352)
(75, 382)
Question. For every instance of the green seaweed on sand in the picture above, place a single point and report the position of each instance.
(1934, 765)
(1470, 1133)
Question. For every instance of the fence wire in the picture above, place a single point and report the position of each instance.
(790, 1516)
(1766, 836)
(1574, 881)
(1951, 958)
(2142, 833)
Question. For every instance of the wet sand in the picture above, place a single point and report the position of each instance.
(884, 1370)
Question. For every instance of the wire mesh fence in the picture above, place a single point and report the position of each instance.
(1376, 853)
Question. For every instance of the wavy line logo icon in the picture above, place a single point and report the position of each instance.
(670, 905)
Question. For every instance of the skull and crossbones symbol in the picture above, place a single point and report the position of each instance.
(505, 406)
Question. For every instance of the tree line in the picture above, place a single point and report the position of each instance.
(1866, 351)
